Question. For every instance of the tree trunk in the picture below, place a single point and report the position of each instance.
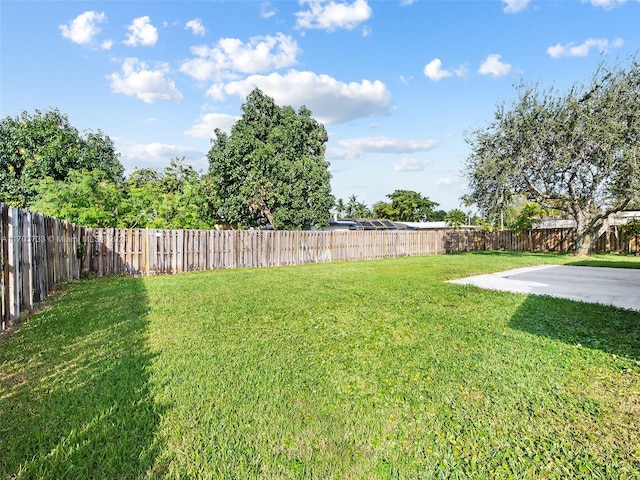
(269, 216)
(583, 235)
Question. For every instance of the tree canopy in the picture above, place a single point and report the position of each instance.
(576, 151)
(271, 168)
(172, 198)
(406, 206)
(456, 218)
(45, 144)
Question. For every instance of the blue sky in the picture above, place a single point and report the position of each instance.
(397, 83)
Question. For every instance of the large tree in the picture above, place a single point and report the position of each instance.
(576, 151)
(271, 168)
(406, 206)
(45, 145)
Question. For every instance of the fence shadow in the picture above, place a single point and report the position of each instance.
(75, 398)
(605, 328)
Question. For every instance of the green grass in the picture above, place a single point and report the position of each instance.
(350, 370)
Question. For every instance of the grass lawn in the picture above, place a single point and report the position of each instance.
(350, 371)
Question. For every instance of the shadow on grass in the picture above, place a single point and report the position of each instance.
(75, 399)
(622, 261)
(608, 329)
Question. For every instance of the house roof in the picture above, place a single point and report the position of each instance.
(369, 224)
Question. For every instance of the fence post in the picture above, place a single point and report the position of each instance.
(27, 257)
(13, 263)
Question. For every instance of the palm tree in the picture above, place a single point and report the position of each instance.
(339, 207)
(456, 218)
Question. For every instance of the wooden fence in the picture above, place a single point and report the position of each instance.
(547, 240)
(149, 252)
(38, 252)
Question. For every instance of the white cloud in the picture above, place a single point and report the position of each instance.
(411, 165)
(83, 28)
(355, 147)
(438, 182)
(196, 27)
(330, 100)
(231, 56)
(433, 70)
(582, 50)
(331, 15)
(149, 85)
(157, 155)
(207, 123)
(515, 6)
(141, 32)
(106, 45)
(607, 4)
(494, 67)
(267, 10)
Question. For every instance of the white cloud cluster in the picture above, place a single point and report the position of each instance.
(157, 155)
(196, 27)
(330, 100)
(607, 4)
(149, 85)
(582, 50)
(84, 28)
(331, 15)
(355, 147)
(411, 165)
(514, 6)
(492, 65)
(231, 56)
(434, 71)
(207, 123)
(141, 32)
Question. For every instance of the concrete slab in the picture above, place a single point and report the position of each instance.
(619, 287)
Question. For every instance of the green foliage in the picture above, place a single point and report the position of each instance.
(439, 215)
(632, 227)
(406, 206)
(86, 198)
(575, 151)
(271, 168)
(45, 145)
(339, 207)
(456, 218)
(356, 209)
(175, 198)
(528, 217)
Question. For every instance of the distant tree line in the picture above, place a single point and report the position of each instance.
(270, 171)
